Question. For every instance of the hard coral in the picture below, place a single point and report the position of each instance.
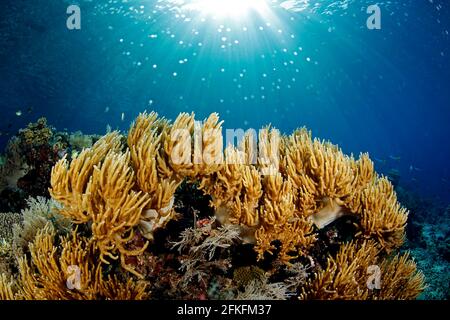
(30, 155)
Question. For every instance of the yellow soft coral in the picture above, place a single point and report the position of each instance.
(382, 216)
(278, 190)
(70, 273)
(69, 182)
(97, 188)
(275, 193)
(348, 276)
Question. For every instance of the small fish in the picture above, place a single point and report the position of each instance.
(18, 113)
(395, 158)
(380, 160)
(106, 109)
(412, 168)
(122, 117)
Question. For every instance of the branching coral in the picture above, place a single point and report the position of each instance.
(71, 272)
(259, 198)
(165, 154)
(275, 196)
(200, 245)
(153, 176)
(97, 188)
(330, 184)
(348, 275)
(382, 216)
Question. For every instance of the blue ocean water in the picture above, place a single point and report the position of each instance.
(289, 63)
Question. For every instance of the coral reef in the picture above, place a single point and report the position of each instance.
(30, 155)
(346, 276)
(167, 212)
(29, 158)
(428, 235)
(47, 276)
(6, 221)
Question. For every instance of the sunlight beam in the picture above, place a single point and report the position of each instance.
(227, 8)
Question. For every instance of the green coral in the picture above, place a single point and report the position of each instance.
(36, 133)
(7, 220)
(243, 276)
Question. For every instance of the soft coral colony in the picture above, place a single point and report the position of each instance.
(281, 201)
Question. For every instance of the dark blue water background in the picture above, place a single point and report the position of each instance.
(383, 91)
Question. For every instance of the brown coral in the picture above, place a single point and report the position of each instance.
(7, 220)
(71, 272)
(347, 276)
(97, 187)
(275, 194)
